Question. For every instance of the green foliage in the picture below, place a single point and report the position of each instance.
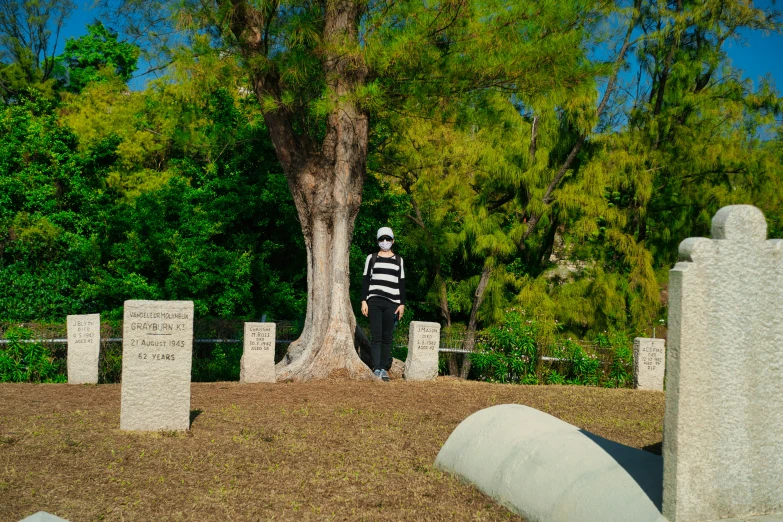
(26, 30)
(552, 376)
(511, 352)
(28, 361)
(621, 366)
(222, 364)
(581, 367)
(399, 352)
(52, 209)
(443, 364)
(93, 57)
(110, 363)
(176, 192)
(576, 229)
(217, 232)
(588, 366)
(514, 350)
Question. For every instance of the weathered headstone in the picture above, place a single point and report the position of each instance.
(258, 358)
(84, 346)
(157, 352)
(723, 428)
(423, 343)
(648, 363)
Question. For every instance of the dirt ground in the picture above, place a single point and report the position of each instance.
(313, 451)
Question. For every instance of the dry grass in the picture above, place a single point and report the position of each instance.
(316, 451)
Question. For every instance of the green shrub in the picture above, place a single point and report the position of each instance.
(28, 361)
(110, 363)
(552, 376)
(510, 354)
(222, 364)
(400, 351)
(621, 365)
(584, 368)
(621, 368)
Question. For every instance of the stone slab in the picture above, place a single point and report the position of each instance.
(547, 470)
(258, 358)
(157, 353)
(84, 347)
(648, 363)
(423, 343)
(43, 516)
(723, 426)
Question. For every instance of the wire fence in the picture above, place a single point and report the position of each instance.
(217, 345)
(209, 333)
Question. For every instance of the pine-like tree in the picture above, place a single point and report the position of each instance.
(320, 69)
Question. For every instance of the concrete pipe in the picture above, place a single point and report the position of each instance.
(547, 470)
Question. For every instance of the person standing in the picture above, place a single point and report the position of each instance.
(383, 299)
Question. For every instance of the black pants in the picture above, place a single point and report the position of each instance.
(381, 313)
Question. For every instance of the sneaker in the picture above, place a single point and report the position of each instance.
(377, 373)
(384, 375)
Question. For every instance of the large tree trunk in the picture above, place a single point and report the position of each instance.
(326, 183)
(327, 346)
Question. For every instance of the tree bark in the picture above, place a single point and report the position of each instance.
(533, 140)
(453, 362)
(470, 335)
(327, 346)
(328, 193)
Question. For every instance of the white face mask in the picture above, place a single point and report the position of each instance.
(385, 245)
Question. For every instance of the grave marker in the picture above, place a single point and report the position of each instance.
(157, 352)
(423, 343)
(648, 363)
(258, 359)
(723, 428)
(84, 346)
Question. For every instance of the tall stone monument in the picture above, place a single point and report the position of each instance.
(258, 358)
(423, 343)
(723, 428)
(157, 352)
(648, 359)
(84, 347)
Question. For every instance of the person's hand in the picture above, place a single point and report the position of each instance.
(365, 309)
(400, 309)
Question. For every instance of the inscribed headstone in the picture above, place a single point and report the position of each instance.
(157, 351)
(648, 363)
(258, 359)
(84, 346)
(723, 428)
(423, 343)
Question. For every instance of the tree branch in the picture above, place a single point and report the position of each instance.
(533, 140)
(610, 86)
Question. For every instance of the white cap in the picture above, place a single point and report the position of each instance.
(384, 231)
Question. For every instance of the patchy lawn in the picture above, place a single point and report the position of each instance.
(313, 451)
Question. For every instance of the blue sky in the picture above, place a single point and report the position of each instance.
(757, 54)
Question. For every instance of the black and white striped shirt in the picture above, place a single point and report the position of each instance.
(386, 279)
